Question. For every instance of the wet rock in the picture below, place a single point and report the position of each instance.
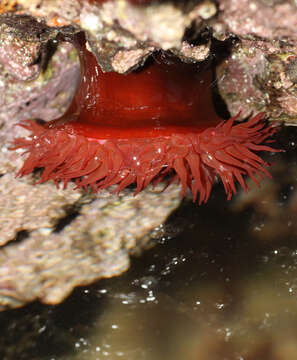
(94, 241)
(117, 30)
(259, 19)
(257, 76)
(46, 97)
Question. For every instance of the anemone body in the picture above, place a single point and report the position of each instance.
(154, 123)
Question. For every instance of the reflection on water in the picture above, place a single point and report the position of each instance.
(218, 290)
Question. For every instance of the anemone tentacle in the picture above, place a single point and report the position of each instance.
(195, 158)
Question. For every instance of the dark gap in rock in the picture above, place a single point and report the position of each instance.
(20, 236)
(219, 51)
(47, 53)
(197, 35)
(71, 213)
(222, 50)
(219, 104)
(148, 62)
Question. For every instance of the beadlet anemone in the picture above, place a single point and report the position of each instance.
(154, 124)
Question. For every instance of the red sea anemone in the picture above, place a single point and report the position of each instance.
(157, 122)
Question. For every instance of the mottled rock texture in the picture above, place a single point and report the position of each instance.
(259, 74)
